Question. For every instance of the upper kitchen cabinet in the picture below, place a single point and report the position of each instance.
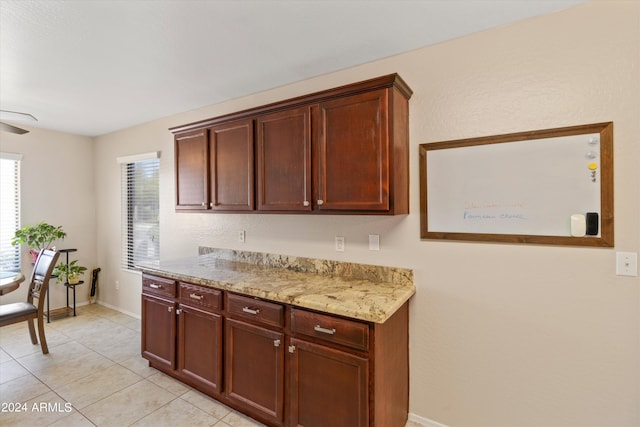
(214, 168)
(283, 160)
(192, 170)
(362, 149)
(231, 163)
(354, 154)
(344, 150)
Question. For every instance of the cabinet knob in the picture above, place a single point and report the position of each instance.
(179, 311)
(169, 309)
(211, 204)
(320, 202)
(276, 343)
(305, 203)
(292, 348)
(204, 204)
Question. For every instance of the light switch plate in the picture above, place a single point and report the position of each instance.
(627, 264)
(374, 242)
(339, 244)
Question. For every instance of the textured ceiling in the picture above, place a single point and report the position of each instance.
(92, 67)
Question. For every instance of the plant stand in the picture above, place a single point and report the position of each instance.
(59, 313)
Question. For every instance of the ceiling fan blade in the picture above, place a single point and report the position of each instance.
(12, 129)
(16, 115)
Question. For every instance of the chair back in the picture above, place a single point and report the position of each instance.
(41, 275)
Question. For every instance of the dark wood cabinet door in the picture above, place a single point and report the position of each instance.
(353, 153)
(200, 348)
(192, 170)
(283, 159)
(254, 366)
(231, 162)
(159, 332)
(327, 387)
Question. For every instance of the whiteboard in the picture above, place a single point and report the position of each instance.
(519, 186)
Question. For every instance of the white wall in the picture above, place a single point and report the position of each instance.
(501, 335)
(56, 187)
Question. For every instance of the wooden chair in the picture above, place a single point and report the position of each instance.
(27, 311)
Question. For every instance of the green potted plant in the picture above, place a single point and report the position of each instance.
(69, 273)
(36, 237)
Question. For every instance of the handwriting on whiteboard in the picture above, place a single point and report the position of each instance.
(494, 211)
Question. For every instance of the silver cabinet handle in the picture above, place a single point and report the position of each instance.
(169, 309)
(320, 202)
(195, 296)
(250, 310)
(204, 204)
(305, 203)
(179, 311)
(154, 286)
(319, 328)
(276, 343)
(211, 204)
(292, 348)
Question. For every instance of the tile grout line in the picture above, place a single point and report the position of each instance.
(77, 337)
(50, 389)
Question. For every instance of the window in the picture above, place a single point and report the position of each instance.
(9, 210)
(140, 210)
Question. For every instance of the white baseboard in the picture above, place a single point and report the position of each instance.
(426, 422)
(113, 307)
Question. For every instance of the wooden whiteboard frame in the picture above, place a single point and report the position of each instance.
(606, 237)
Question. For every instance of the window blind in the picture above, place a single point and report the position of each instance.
(140, 211)
(9, 210)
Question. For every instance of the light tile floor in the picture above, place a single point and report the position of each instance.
(94, 375)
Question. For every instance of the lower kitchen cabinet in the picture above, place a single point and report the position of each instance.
(200, 348)
(255, 370)
(159, 332)
(282, 365)
(183, 336)
(328, 387)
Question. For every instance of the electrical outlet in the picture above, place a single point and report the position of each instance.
(241, 236)
(626, 263)
(339, 244)
(117, 285)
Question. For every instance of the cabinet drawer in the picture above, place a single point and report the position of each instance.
(328, 328)
(263, 312)
(200, 297)
(158, 286)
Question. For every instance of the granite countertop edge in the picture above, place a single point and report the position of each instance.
(356, 296)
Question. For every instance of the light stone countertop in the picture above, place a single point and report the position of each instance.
(359, 291)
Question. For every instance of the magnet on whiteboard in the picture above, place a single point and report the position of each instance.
(578, 225)
(593, 166)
